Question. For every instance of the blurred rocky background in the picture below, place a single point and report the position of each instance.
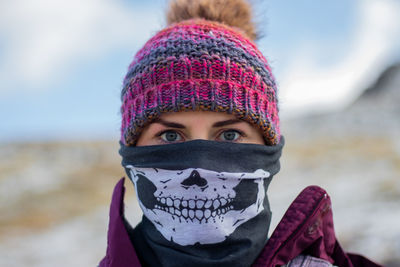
(54, 196)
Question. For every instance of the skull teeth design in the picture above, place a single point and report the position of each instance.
(190, 209)
(197, 205)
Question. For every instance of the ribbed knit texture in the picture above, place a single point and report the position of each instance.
(199, 65)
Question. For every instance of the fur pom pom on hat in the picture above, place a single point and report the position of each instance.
(198, 63)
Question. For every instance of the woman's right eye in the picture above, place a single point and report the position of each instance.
(170, 136)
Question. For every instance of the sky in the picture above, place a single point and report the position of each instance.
(62, 62)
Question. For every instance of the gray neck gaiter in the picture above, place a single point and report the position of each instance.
(204, 202)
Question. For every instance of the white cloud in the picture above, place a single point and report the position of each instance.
(42, 39)
(307, 86)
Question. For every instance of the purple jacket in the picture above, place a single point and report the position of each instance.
(306, 228)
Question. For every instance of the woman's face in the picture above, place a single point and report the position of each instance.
(185, 126)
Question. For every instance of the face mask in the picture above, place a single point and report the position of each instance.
(199, 194)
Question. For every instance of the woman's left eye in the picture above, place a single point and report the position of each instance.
(230, 135)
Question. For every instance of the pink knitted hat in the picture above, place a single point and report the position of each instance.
(198, 64)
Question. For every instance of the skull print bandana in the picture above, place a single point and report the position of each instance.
(204, 202)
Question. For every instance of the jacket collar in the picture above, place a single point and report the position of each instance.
(120, 251)
(307, 224)
(307, 228)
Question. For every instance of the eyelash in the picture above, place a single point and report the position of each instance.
(241, 134)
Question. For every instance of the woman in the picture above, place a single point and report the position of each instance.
(200, 140)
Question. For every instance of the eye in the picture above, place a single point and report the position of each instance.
(170, 136)
(230, 135)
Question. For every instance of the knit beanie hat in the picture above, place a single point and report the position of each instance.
(201, 62)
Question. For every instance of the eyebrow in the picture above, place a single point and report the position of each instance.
(181, 126)
(170, 124)
(227, 122)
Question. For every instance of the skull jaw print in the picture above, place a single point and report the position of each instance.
(196, 205)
